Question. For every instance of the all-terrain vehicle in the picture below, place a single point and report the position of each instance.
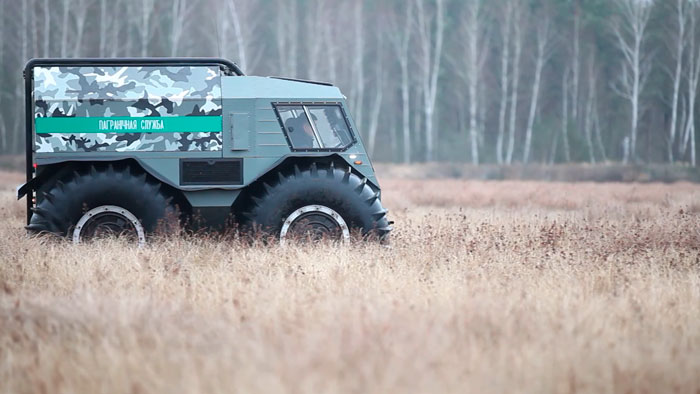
(122, 145)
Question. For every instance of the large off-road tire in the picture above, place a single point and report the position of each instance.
(318, 202)
(116, 196)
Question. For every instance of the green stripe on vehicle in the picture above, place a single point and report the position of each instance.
(171, 124)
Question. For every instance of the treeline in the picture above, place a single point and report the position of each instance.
(482, 81)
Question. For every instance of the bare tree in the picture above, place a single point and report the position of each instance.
(565, 114)
(430, 41)
(590, 104)
(16, 142)
(358, 90)
(80, 14)
(238, 31)
(3, 127)
(417, 112)
(64, 28)
(314, 23)
(400, 37)
(471, 67)
(679, 48)
(286, 37)
(47, 28)
(518, 47)
(376, 105)
(598, 134)
(506, 28)
(33, 23)
(541, 58)
(631, 32)
(130, 8)
(576, 64)
(238, 18)
(145, 27)
(693, 77)
(104, 23)
(181, 10)
(329, 43)
(114, 34)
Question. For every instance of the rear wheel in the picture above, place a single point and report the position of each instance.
(103, 202)
(315, 203)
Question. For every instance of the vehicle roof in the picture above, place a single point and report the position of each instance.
(228, 66)
(251, 87)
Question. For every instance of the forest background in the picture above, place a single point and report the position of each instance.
(477, 81)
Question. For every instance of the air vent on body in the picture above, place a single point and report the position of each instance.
(211, 172)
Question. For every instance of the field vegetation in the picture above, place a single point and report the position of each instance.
(487, 287)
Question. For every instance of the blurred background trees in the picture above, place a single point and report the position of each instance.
(480, 81)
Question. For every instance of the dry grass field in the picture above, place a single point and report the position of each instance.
(487, 287)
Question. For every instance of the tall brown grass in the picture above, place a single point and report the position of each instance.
(487, 287)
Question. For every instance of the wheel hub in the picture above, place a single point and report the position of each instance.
(314, 223)
(106, 221)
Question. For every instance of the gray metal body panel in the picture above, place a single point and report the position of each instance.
(250, 131)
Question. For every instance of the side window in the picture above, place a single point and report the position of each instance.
(298, 128)
(322, 127)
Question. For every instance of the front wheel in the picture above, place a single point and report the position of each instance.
(318, 203)
(314, 223)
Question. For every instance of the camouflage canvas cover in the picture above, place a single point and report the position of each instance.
(129, 108)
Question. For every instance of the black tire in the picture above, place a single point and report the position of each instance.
(341, 190)
(60, 208)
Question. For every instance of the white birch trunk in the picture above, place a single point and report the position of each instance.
(358, 66)
(64, 28)
(598, 133)
(473, 74)
(417, 120)
(565, 114)
(129, 30)
(286, 35)
(588, 121)
(378, 98)
(506, 27)
(80, 15)
(16, 143)
(631, 34)
(314, 21)
(47, 28)
(147, 13)
(677, 76)
(113, 37)
(179, 18)
(400, 35)
(431, 43)
(238, 32)
(541, 59)
(143, 36)
(518, 42)
(104, 23)
(331, 50)
(3, 127)
(693, 76)
(576, 66)
(34, 24)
